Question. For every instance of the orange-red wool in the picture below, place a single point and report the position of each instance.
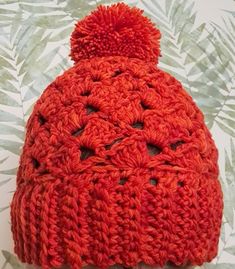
(118, 167)
(116, 30)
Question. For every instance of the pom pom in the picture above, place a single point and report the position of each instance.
(118, 30)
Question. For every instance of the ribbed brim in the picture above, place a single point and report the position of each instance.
(80, 222)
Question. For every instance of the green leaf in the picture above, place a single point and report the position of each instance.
(9, 171)
(3, 182)
(8, 86)
(8, 100)
(3, 208)
(12, 260)
(226, 41)
(204, 100)
(222, 235)
(65, 33)
(223, 266)
(3, 160)
(229, 123)
(53, 21)
(170, 61)
(12, 146)
(226, 129)
(6, 129)
(231, 248)
(8, 117)
(36, 9)
(168, 4)
(228, 185)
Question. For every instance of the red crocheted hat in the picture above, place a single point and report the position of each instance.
(118, 166)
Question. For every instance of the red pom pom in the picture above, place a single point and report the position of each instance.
(115, 30)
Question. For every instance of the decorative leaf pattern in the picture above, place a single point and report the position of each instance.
(34, 48)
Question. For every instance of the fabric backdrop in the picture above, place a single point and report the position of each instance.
(198, 48)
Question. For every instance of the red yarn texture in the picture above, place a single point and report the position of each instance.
(115, 30)
(117, 167)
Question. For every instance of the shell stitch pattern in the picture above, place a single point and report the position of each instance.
(118, 167)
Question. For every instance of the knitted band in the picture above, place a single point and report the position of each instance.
(58, 223)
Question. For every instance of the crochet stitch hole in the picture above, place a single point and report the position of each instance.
(180, 183)
(144, 106)
(36, 163)
(176, 144)
(116, 141)
(41, 119)
(100, 164)
(138, 125)
(133, 195)
(168, 163)
(85, 93)
(86, 153)
(90, 109)
(95, 181)
(117, 73)
(153, 181)
(77, 131)
(95, 78)
(123, 180)
(44, 172)
(153, 149)
(149, 85)
(135, 76)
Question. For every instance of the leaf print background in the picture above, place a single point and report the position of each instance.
(198, 48)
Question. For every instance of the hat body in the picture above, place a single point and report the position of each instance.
(117, 167)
